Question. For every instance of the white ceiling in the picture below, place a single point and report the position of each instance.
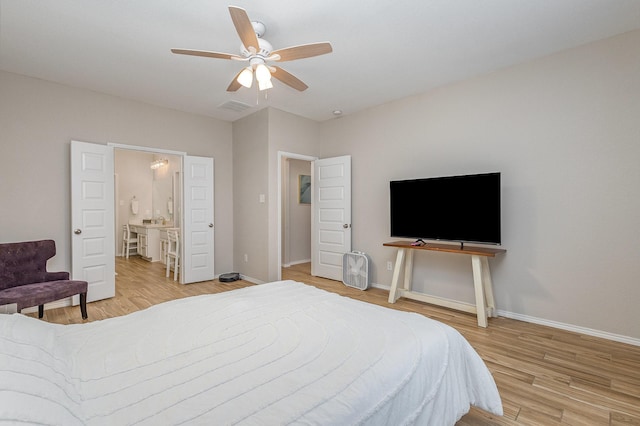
(382, 50)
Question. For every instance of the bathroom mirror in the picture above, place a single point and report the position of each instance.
(163, 189)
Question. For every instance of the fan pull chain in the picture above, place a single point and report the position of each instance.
(266, 95)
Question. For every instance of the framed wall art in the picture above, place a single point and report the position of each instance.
(304, 189)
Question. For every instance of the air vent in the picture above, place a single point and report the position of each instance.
(235, 106)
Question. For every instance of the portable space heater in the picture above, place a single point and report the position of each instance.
(355, 270)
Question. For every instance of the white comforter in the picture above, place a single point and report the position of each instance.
(278, 353)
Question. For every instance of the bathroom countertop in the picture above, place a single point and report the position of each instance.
(150, 225)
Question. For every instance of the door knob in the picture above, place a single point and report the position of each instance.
(345, 226)
(211, 225)
(77, 231)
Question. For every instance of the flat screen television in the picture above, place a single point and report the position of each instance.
(463, 208)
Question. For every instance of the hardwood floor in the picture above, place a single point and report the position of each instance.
(545, 376)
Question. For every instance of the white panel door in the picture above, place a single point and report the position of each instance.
(331, 221)
(92, 218)
(198, 220)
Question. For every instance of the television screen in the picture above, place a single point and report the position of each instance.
(452, 208)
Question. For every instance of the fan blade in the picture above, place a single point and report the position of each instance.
(234, 85)
(302, 51)
(288, 79)
(244, 28)
(207, 54)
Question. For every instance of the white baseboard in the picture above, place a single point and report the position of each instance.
(297, 262)
(555, 324)
(381, 287)
(251, 280)
(62, 303)
(570, 327)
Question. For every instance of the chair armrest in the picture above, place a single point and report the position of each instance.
(56, 276)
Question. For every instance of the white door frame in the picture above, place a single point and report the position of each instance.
(283, 155)
(147, 149)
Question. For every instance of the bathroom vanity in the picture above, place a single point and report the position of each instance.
(149, 246)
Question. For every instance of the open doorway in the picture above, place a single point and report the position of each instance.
(148, 198)
(93, 219)
(296, 217)
(295, 210)
(330, 213)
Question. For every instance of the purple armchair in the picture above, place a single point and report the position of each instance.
(24, 279)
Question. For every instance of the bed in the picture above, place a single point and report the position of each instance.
(272, 354)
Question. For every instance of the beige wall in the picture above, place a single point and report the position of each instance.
(250, 171)
(288, 133)
(38, 119)
(565, 133)
(257, 141)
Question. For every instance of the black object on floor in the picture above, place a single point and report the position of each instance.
(229, 277)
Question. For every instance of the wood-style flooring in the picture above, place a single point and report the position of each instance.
(545, 376)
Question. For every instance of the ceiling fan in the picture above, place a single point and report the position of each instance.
(259, 53)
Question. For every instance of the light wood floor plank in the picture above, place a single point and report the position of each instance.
(545, 376)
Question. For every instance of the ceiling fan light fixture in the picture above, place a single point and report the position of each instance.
(263, 74)
(246, 77)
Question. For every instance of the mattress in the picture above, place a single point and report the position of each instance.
(272, 354)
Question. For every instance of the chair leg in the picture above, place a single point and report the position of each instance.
(175, 270)
(168, 266)
(83, 305)
(40, 311)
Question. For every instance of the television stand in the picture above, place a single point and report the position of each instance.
(485, 304)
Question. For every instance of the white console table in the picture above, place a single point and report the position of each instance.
(485, 304)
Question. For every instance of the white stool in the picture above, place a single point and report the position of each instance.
(128, 242)
(173, 252)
